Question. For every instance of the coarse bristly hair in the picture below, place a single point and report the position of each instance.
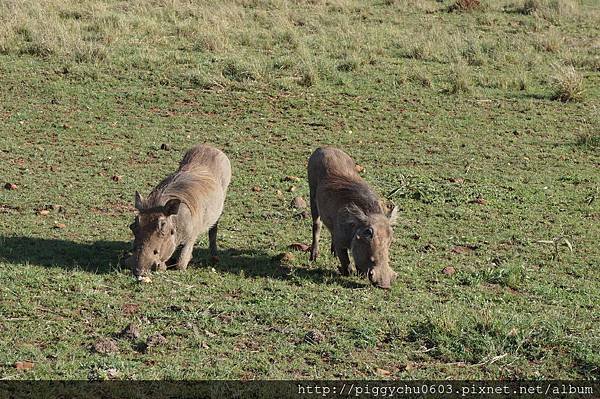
(188, 184)
(354, 190)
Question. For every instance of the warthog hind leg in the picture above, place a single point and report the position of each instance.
(212, 240)
(316, 233)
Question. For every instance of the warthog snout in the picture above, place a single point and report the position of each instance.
(145, 261)
(154, 232)
(382, 277)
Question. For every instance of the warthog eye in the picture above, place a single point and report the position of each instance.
(156, 252)
(367, 233)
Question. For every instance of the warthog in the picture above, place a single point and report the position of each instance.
(353, 213)
(183, 205)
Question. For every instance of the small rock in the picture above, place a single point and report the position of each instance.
(459, 249)
(106, 346)
(300, 246)
(458, 180)
(299, 203)
(409, 366)
(256, 189)
(314, 337)
(448, 270)
(66, 126)
(130, 332)
(383, 372)
(24, 365)
(359, 168)
(117, 178)
(291, 178)
(44, 212)
(292, 189)
(165, 147)
(155, 340)
(130, 308)
(144, 279)
(10, 186)
(279, 193)
(60, 225)
(478, 200)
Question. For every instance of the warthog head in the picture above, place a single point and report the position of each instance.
(154, 231)
(370, 245)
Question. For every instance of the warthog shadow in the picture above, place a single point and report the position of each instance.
(105, 256)
(94, 257)
(253, 263)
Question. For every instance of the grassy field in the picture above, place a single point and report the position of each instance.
(482, 125)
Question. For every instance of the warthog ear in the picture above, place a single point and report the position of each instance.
(355, 215)
(171, 207)
(139, 201)
(393, 215)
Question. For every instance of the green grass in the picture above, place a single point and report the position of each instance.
(454, 115)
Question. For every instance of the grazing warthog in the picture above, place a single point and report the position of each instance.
(182, 206)
(353, 213)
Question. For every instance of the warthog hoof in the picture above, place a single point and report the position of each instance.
(314, 253)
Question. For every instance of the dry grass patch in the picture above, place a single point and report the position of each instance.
(428, 43)
(567, 83)
(550, 41)
(589, 134)
(422, 78)
(551, 10)
(460, 78)
(428, 6)
(465, 5)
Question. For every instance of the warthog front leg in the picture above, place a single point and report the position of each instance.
(346, 267)
(185, 256)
